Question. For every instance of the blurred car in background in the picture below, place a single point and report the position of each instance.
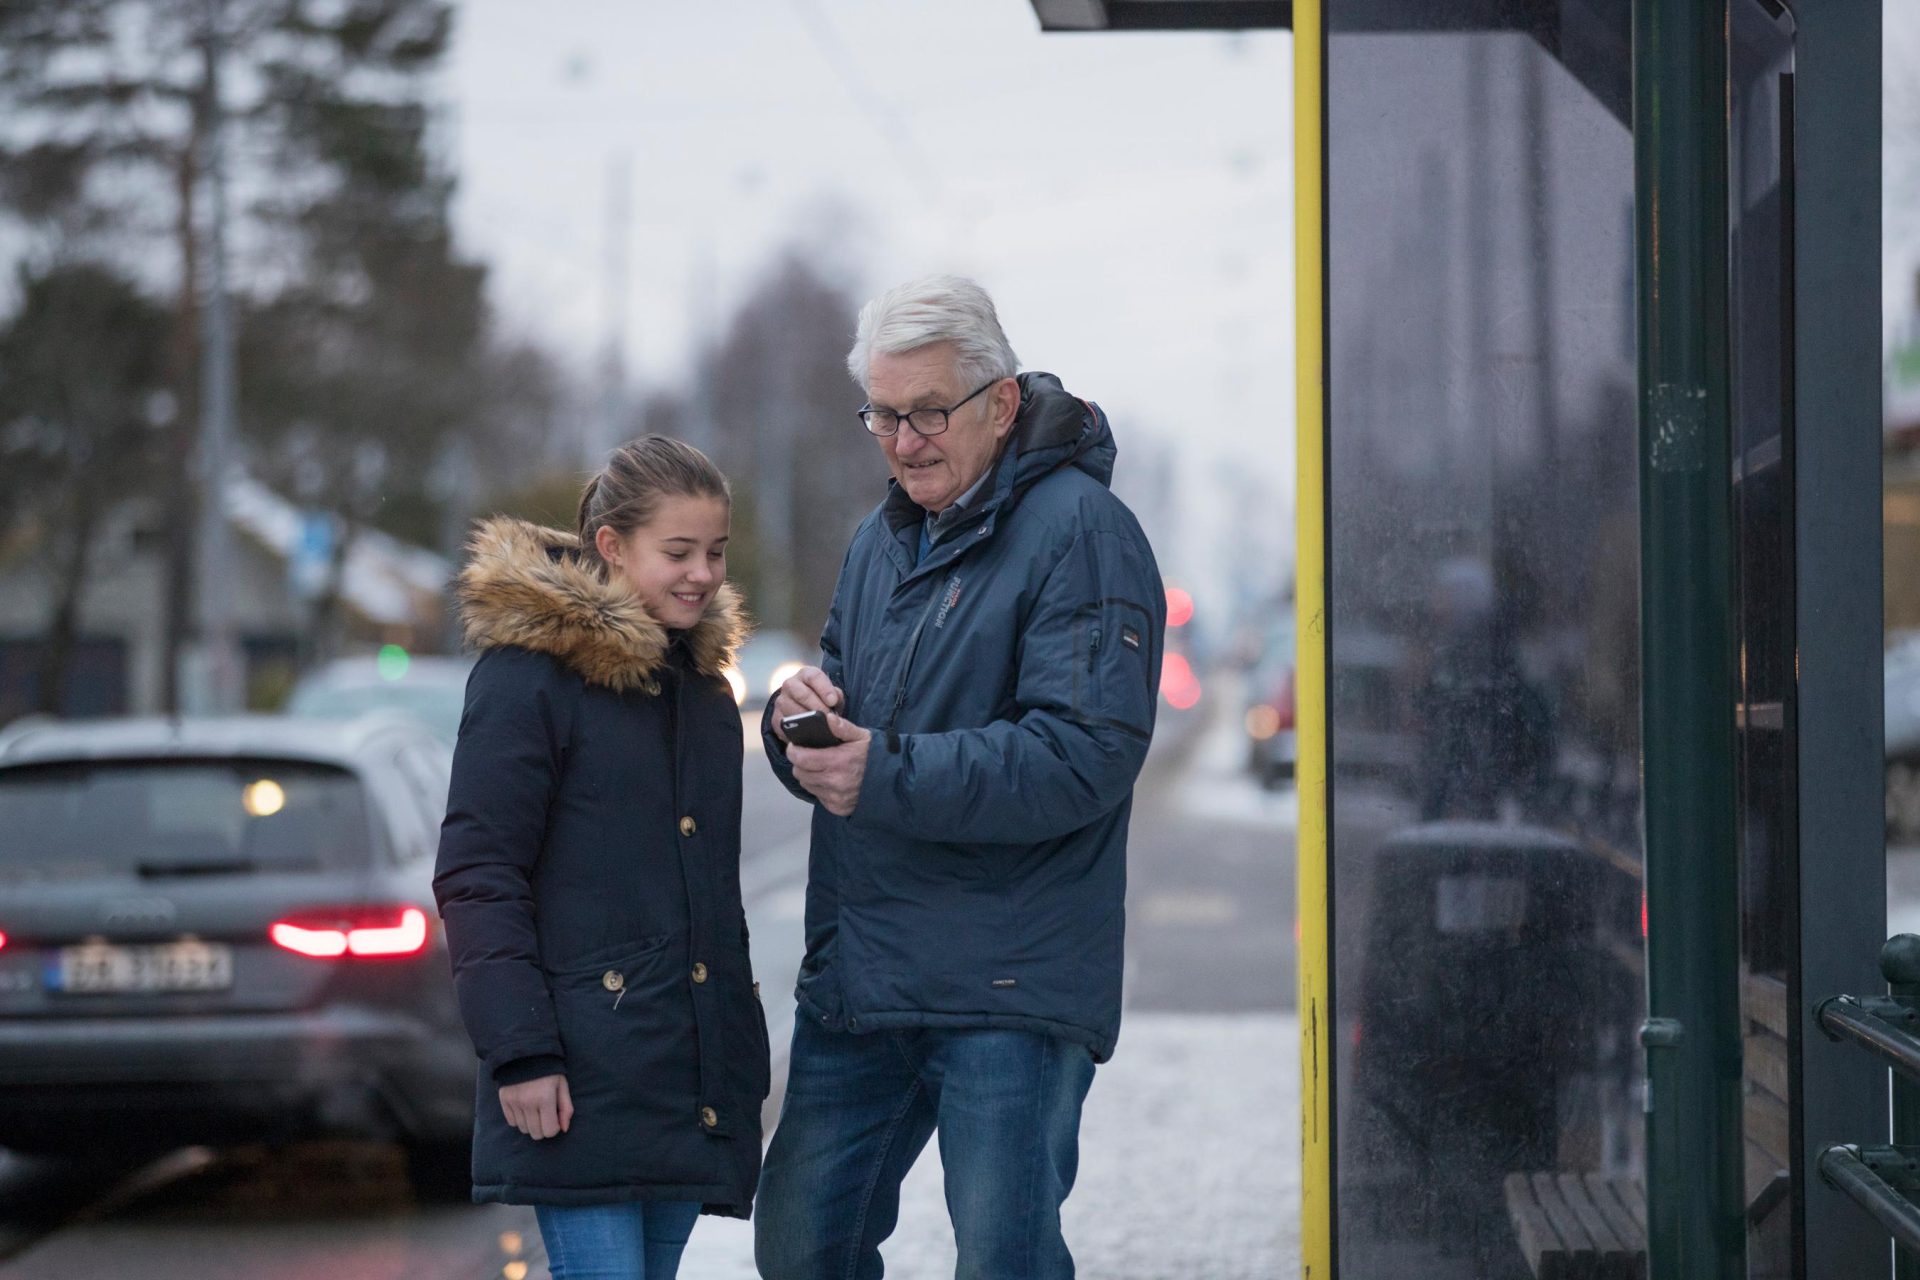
(1368, 696)
(1903, 741)
(432, 690)
(1270, 706)
(224, 930)
(765, 662)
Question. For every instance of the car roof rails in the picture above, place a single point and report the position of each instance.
(16, 731)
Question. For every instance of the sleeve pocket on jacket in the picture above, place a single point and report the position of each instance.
(1114, 677)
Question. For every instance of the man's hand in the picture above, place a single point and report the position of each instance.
(833, 774)
(538, 1108)
(806, 690)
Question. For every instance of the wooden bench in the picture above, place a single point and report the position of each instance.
(1585, 1226)
(1579, 1226)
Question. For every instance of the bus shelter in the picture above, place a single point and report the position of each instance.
(1589, 602)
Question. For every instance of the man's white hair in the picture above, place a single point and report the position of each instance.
(934, 309)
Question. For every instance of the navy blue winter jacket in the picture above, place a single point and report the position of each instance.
(589, 877)
(1010, 679)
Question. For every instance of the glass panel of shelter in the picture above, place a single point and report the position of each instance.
(1483, 592)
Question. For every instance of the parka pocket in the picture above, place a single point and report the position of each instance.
(1114, 676)
(633, 1059)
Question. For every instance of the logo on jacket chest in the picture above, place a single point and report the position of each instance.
(950, 598)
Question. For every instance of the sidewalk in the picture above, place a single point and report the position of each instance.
(1189, 1165)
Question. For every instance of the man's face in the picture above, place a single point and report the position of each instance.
(936, 470)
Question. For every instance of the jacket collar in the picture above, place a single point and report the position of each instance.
(526, 585)
(1053, 429)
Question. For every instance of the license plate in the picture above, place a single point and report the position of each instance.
(100, 969)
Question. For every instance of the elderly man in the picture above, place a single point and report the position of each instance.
(990, 666)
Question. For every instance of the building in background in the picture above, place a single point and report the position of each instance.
(391, 593)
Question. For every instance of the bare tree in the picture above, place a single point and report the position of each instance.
(108, 106)
(804, 471)
(82, 378)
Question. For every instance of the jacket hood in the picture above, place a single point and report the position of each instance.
(1055, 429)
(526, 585)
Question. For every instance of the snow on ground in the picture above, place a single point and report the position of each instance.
(1189, 1165)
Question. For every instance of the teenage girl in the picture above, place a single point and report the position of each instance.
(589, 870)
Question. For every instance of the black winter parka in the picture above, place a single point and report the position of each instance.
(589, 880)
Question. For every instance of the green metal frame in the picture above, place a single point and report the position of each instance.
(1840, 1093)
(1687, 645)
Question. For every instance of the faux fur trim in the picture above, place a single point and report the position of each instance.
(516, 591)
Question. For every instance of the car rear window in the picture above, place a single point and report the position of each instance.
(167, 818)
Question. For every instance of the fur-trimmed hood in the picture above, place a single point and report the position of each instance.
(526, 585)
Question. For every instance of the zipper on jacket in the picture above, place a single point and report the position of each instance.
(1093, 651)
(906, 670)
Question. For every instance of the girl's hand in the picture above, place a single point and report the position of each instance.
(538, 1108)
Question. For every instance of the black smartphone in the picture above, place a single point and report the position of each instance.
(809, 729)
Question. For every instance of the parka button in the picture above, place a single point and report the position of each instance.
(613, 980)
(699, 973)
(709, 1117)
(688, 826)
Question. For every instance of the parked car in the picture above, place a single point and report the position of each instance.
(1903, 741)
(224, 930)
(432, 690)
(1271, 749)
(1367, 697)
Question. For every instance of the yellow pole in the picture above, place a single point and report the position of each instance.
(1310, 680)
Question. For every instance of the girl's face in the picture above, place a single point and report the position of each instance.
(674, 563)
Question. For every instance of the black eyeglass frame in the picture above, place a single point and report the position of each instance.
(865, 413)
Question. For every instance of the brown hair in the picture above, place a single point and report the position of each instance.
(626, 492)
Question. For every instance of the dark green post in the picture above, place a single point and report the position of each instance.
(1696, 1225)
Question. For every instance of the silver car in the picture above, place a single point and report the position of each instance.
(432, 690)
(224, 930)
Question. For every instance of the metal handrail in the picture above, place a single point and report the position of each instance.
(1885, 1027)
(1857, 1173)
(1885, 1181)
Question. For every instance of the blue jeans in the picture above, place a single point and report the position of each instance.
(641, 1240)
(858, 1111)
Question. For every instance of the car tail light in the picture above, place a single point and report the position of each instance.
(1178, 685)
(3, 941)
(375, 931)
(1283, 701)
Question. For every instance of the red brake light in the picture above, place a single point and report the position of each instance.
(380, 932)
(1178, 685)
(1283, 701)
(3, 941)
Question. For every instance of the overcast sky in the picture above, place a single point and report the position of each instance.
(1126, 198)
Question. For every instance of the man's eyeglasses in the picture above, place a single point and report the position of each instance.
(925, 422)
